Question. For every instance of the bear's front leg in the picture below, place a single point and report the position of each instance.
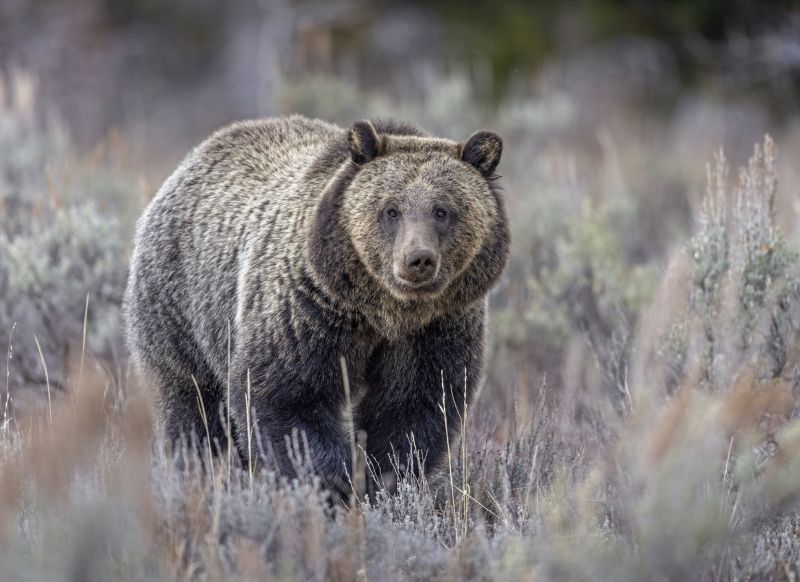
(410, 383)
(295, 397)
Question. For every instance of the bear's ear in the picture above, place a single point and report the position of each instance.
(483, 150)
(365, 143)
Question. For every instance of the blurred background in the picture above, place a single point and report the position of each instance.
(610, 111)
(168, 72)
(640, 415)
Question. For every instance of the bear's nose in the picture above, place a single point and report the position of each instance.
(420, 265)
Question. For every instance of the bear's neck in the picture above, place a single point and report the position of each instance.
(367, 306)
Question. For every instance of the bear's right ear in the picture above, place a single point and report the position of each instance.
(365, 143)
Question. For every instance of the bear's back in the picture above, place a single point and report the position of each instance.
(269, 152)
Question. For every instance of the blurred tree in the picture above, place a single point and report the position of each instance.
(517, 35)
(138, 62)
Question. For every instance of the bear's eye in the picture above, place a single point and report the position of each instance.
(440, 214)
(393, 214)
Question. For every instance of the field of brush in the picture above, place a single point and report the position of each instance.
(640, 415)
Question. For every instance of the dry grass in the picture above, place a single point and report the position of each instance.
(683, 488)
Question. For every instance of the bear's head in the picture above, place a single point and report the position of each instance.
(416, 217)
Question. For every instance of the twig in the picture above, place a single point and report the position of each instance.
(355, 484)
(47, 380)
(83, 344)
(204, 417)
(9, 355)
(249, 434)
(228, 406)
(443, 408)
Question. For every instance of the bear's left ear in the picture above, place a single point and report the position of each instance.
(483, 150)
(365, 143)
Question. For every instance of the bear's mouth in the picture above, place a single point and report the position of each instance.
(405, 288)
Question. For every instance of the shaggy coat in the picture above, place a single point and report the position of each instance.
(280, 246)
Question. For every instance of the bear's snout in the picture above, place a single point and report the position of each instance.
(416, 257)
(420, 266)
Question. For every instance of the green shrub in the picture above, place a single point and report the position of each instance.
(59, 252)
(745, 291)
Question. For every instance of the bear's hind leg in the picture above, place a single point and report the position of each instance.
(183, 418)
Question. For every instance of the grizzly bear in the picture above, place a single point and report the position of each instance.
(279, 247)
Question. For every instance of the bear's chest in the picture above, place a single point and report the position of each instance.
(364, 343)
